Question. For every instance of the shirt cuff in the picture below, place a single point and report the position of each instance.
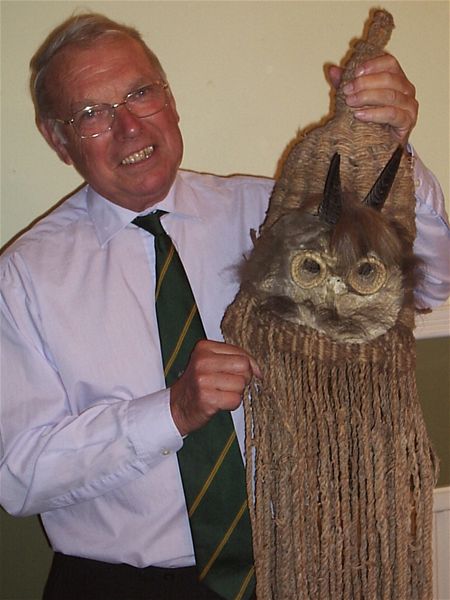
(152, 430)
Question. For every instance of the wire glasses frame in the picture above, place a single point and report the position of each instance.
(97, 119)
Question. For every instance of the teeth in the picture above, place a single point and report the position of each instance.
(138, 156)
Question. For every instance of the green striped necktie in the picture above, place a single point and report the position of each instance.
(210, 460)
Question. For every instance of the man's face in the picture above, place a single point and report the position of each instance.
(105, 73)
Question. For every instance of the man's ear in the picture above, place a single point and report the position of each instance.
(55, 138)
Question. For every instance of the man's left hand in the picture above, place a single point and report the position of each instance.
(381, 93)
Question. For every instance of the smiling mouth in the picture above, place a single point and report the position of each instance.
(138, 157)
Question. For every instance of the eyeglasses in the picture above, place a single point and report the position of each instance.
(92, 121)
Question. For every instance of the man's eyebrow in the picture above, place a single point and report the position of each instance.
(143, 82)
(135, 86)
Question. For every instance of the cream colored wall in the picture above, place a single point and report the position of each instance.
(246, 76)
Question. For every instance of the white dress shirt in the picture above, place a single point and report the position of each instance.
(87, 437)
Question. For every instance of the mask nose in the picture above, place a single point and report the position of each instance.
(337, 285)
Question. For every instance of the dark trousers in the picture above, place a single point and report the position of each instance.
(73, 578)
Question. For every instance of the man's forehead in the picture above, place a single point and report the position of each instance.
(109, 65)
(103, 51)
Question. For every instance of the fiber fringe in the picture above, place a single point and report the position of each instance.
(340, 470)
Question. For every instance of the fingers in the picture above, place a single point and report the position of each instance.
(234, 355)
(381, 93)
(214, 380)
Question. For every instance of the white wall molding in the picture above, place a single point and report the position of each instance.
(434, 324)
(441, 544)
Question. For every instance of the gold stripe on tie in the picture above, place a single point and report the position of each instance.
(164, 269)
(212, 474)
(180, 340)
(225, 539)
(245, 584)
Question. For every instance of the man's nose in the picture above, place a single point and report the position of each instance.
(126, 124)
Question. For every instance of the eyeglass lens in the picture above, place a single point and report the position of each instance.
(94, 120)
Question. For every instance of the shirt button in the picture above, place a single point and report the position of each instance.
(165, 451)
(417, 183)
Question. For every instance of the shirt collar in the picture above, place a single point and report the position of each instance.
(109, 218)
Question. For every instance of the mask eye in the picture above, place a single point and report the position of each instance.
(367, 276)
(308, 269)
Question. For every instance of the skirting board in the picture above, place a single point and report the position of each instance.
(434, 324)
(441, 544)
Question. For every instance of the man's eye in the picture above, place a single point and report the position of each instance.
(144, 93)
(91, 113)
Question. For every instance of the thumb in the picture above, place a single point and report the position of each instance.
(334, 75)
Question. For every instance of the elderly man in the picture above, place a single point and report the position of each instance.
(93, 423)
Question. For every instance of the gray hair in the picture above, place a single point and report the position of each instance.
(79, 30)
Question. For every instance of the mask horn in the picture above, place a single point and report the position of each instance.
(331, 205)
(382, 186)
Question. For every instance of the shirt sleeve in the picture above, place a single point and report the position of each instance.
(50, 456)
(432, 243)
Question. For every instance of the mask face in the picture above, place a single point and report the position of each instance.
(338, 265)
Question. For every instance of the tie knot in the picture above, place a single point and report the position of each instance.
(151, 222)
